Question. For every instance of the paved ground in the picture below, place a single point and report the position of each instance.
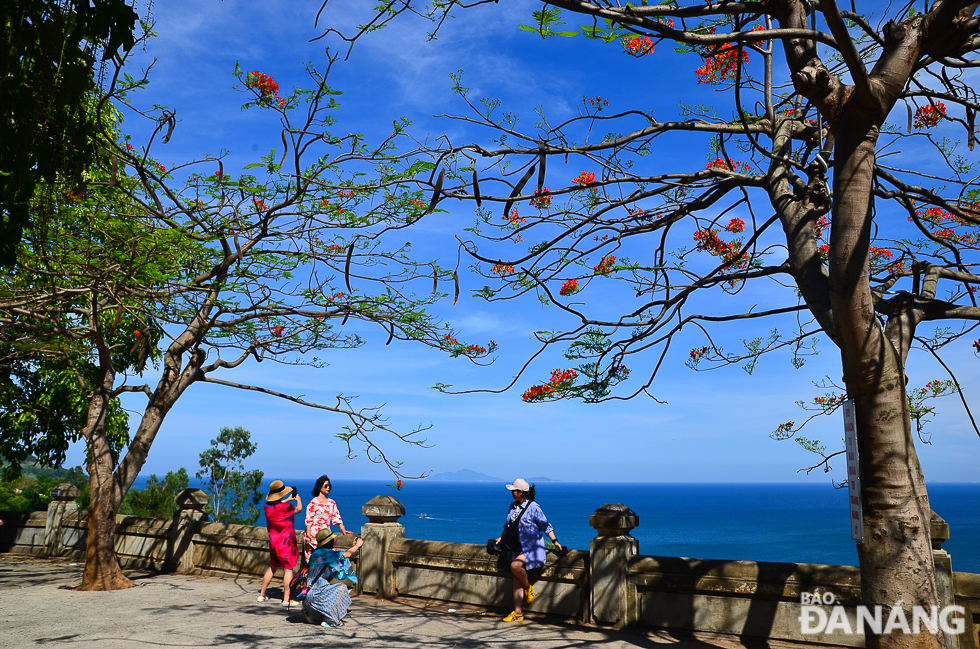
(39, 607)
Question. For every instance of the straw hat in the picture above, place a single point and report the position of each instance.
(325, 536)
(277, 491)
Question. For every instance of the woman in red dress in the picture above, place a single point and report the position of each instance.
(283, 552)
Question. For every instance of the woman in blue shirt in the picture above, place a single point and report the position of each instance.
(525, 549)
(326, 603)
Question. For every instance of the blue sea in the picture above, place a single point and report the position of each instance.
(802, 523)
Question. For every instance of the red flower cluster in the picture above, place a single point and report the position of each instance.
(459, 349)
(259, 204)
(821, 226)
(976, 346)
(935, 215)
(707, 240)
(541, 200)
(880, 255)
(598, 101)
(570, 287)
(637, 46)
(698, 353)
(584, 178)
(502, 269)
(264, 85)
(830, 400)
(336, 295)
(560, 382)
(129, 147)
(735, 165)
(791, 112)
(735, 226)
(513, 218)
(605, 265)
(161, 168)
(277, 330)
(929, 116)
(722, 65)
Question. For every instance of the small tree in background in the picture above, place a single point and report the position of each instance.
(233, 493)
(156, 498)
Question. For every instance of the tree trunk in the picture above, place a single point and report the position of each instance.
(102, 571)
(896, 555)
(896, 561)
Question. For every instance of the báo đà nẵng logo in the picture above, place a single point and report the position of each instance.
(814, 618)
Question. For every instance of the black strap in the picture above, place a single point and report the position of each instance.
(516, 524)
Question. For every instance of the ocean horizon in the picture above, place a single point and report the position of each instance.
(776, 522)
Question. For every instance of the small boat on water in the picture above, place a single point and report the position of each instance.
(424, 515)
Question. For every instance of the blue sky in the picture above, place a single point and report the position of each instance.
(715, 425)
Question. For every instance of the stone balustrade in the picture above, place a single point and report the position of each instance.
(612, 584)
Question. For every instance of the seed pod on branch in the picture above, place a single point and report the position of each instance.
(476, 189)
(436, 191)
(541, 167)
(350, 253)
(517, 190)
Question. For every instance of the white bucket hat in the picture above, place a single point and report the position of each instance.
(519, 485)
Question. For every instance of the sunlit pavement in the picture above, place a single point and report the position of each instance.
(39, 607)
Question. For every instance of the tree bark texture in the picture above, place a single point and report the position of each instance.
(896, 560)
(102, 570)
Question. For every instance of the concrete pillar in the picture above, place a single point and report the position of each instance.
(180, 541)
(612, 599)
(375, 572)
(63, 501)
(944, 577)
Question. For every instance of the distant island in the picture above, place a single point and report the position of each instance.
(467, 475)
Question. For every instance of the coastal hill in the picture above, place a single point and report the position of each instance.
(467, 475)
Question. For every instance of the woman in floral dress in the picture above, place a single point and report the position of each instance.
(283, 553)
(321, 513)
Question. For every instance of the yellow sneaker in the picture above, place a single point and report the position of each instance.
(514, 616)
(529, 594)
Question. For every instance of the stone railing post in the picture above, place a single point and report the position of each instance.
(944, 573)
(180, 542)
(611, 599)
(63, 501)
(376, 574)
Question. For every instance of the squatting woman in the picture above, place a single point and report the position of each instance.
(326, 603)
(525, 549)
